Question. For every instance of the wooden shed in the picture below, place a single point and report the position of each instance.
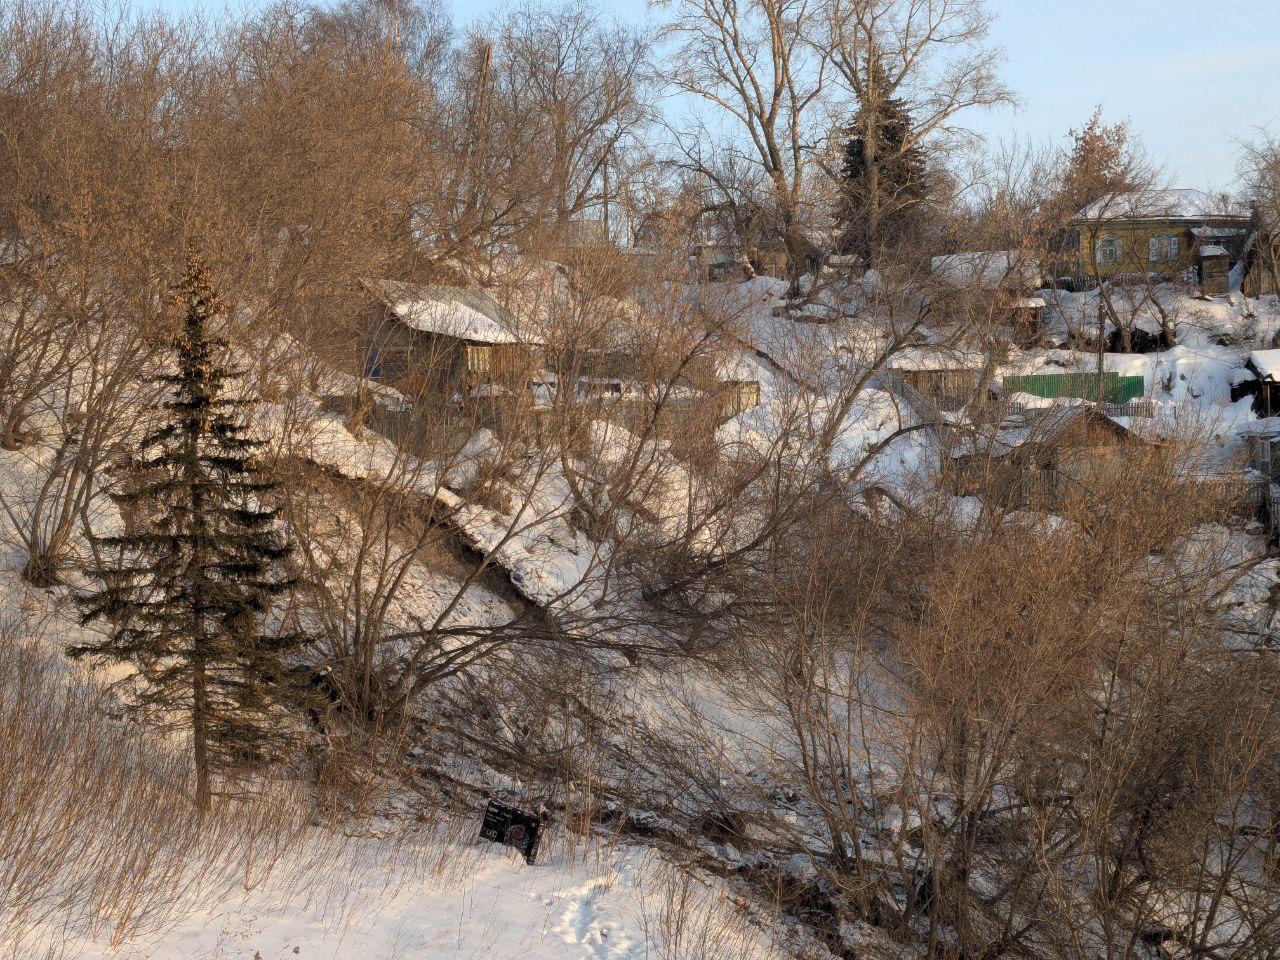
(1214, 267)
(1265, 367)
(947, 378)
(1261, 274)
(422, 338)
(1071, 446)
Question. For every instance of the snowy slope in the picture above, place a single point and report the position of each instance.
(487, 903)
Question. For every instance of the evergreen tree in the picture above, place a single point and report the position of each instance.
(883, 176)
(193, 579)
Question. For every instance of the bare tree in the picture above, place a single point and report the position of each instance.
(1260, 168)
(537, 112)
(755, 61)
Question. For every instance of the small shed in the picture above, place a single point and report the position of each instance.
(948, 378)
(1072, 446)
(1261, 264)
(417, 336)
(1265, 367)
(737, 383)
(1262, 448)
(1214, 264)
(718, 261)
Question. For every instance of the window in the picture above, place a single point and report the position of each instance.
(1162, 248)
(477, 359)
(1108, 249)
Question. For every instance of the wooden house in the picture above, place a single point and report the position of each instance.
(1151, 232)
(946, 378)
(1071, 447)
(443, 340)
(996, 287)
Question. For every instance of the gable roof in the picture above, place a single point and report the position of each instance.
(1266, 363)
(931, 358)
(988, 268)
(466, 314)
(1178, 204)
(1044, 430)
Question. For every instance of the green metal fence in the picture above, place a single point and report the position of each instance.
(1115, 388)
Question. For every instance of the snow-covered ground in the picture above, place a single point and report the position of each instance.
(464, 899)
(485, 905)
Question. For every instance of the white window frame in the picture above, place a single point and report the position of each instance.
(1162, 248)
(1108, 251)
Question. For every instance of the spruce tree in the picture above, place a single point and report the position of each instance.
(194, 575)
(883, 175)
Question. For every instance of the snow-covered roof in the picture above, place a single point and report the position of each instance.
(738, 367)
(1267, 363)
(452, 311)
(1049, 424)
(1219, 231)
(936, 358)
(1179, 204)
(1212, 250)
(988, 267)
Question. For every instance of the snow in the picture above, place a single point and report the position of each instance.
(481, 903)
(1172, 204)
(1267, 363)
(1219, 231)
(989, 268)
(936, 358)
(1212, 250)
(607, 904)
(452, 311)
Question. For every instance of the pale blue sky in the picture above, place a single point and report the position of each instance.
(1191, 75)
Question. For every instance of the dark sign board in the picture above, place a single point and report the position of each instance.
(515, 828)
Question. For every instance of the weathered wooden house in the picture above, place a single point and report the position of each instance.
(1070, 448)
(1152, 232)
(996, 287)
(946, 378)
(443, 340)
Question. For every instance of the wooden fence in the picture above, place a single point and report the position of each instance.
(1133, 408)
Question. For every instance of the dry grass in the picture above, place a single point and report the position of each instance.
(685, 917)
(99, 838)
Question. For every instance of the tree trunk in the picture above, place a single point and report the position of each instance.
(871, 153)
(199, 734)
(1102, 346)
(41, 571)
(12, 435)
